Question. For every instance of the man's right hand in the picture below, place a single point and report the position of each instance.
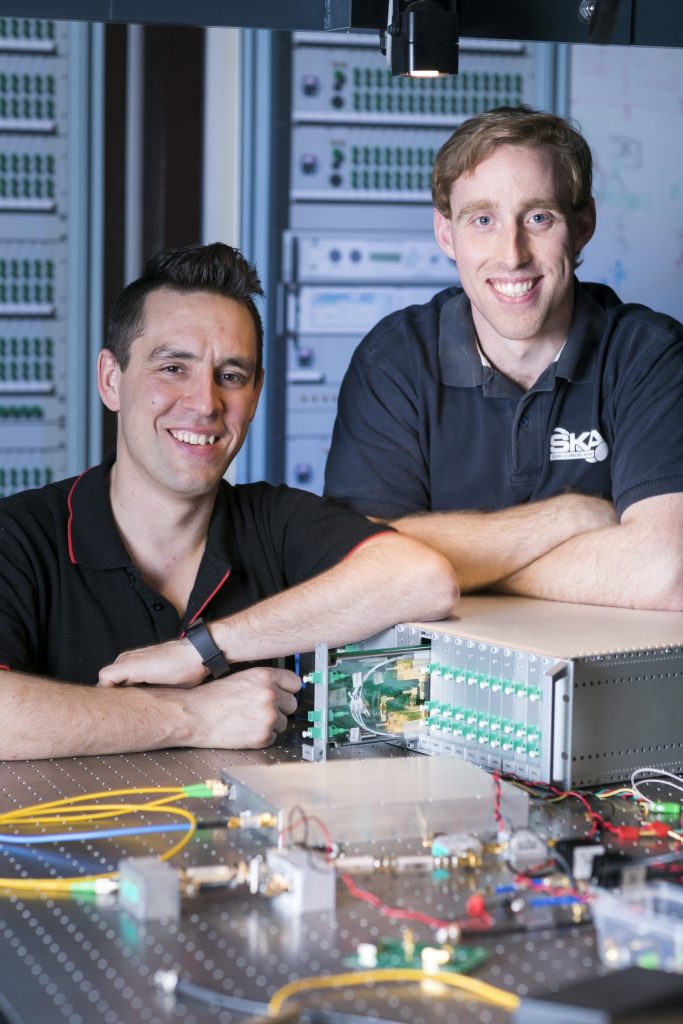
(245, 710)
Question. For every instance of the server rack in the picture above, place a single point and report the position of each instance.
(50, 252)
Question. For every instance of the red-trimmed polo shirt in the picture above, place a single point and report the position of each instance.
(71, 599)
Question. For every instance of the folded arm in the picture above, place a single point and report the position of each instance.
(486, 547)
(388, 579)
(637, 563)
(45, 718)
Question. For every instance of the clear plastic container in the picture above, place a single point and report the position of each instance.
(641, 927)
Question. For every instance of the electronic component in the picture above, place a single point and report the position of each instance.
(406, 952)
(149, 889)
(555, 693)
(462, 848)
(614, 870)
(406, 797)
(525, 850)
(580, 856)
(308, 881)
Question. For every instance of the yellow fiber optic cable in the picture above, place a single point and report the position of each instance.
(478, 989)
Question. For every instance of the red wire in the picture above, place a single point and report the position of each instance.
(483, 922)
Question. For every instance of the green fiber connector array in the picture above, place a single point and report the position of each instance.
(398, 181)
(484, 729)
(27, 28)
(21, 412)
(26, 347)
(26, 188)
(12, 370)
(26, 109)
(383, 157)
(466, 81)
(16, 84)
(25, 269)
(26, 294)
(26, 163)
(436, 105)
(12, 480)
(484, 681)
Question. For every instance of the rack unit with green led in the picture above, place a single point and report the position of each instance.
(351, 82)
(551, 693)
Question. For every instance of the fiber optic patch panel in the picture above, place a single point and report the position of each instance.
(27, 365)
(353, 82)
(553, 693)
(382, 164)
(41, 314)
(28, 35)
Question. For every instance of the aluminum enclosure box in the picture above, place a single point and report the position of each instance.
(366, 799)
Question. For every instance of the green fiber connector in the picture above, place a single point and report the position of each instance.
(339, 679)
(316, 678)
(665, 807)
(82, 887)
(315, 733)
(649, 960)
(333, 732)
(315, 716)
(198, 791)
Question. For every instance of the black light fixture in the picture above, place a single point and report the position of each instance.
(421, 37)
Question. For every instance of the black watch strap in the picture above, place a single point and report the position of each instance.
(211, 656)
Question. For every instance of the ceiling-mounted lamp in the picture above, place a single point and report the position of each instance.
(421, 37)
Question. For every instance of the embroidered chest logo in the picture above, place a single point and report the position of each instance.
(590, 445)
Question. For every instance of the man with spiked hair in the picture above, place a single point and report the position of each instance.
(151, 569)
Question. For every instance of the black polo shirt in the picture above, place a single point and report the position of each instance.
(423, 425)
(71, 600)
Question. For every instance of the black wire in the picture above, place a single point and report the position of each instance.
(303, 820)
(206, 995)
(8, 1015)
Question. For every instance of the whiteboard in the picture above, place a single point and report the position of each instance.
(628, 102)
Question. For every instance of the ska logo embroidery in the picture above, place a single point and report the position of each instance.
(590, 446)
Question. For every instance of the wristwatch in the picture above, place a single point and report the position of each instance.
(212, 656)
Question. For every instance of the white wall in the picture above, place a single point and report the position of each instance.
(629, 104)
